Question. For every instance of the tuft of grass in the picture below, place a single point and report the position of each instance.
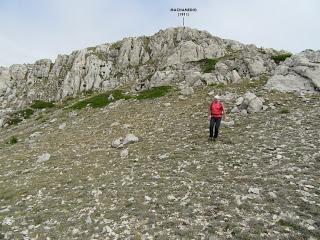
(284, 111)
(154, 92)
(217, 85)
(116, 45)
(146, 42)
(281, 57)
(39, 104)
(13, 140)
(92, 49)
(19, 116)
(99, 100)
(207, 65)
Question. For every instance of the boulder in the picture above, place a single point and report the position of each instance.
(130, 138)
(299, 73)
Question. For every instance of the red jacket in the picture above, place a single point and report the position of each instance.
(216, 109)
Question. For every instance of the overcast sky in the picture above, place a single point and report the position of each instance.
(35, 29)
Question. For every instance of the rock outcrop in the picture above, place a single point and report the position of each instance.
(299, 73)
(170, 56)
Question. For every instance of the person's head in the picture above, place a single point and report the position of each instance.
(216, 98)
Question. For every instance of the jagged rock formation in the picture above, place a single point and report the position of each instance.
(300, 73)
(168, 57)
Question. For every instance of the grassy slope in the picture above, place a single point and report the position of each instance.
(174, 184)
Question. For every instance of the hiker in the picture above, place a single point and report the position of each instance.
(215, 112)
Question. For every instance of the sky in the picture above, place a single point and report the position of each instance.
(36, 29)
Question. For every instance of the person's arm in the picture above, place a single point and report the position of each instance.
(209, 112)
(224, 113)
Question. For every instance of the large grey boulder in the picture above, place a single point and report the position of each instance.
(299, 73)
(249, 102)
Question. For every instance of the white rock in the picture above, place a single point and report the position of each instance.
(110, 98)
(244, 112)
(254, 190)
(167, 104)
(147, 198)
(62, 126)
(235, 109)
(273, 195)
(187, 91)
(117, 143)
(130, 138)
(228, 124)
(114, 124)
(35, 134)
(239, 101)
(44, 157)
(211, 93)
(124, 153)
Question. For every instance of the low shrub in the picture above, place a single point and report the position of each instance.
(281, 57)
(99, 100)
(154, 92)
(39, 104)
(13, 140)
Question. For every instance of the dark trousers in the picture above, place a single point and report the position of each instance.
(214, 123)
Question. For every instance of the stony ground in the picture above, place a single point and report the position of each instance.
(261, 180)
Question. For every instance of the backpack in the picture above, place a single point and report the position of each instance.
(216, 109)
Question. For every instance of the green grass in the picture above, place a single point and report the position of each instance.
(13, 140)
(20, 115)
(281, 57)
(99, 100)
(116, 45)
(154, 92)
(207, 65)
(39, 104)
(146, 42)
(217, 85)
(284, 111)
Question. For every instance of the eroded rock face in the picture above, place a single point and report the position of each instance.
(299, 73)
(170, 56)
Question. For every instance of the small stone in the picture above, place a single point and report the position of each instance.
(53, 120)
(254, 190)
(117, 143)
(62, 126)
(279, 156)
(114, 124)
(167, 104)
(187, 91)
(171, 197)
(130, 138)
(44, 157)
(124, 153)
(244, 112)
(211, 93)
(239, 101)
(147, 198)
(272, 195)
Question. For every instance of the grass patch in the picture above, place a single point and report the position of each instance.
(207, 65)
(99, 100)
(20, 115)
(284, 111)
(154, 92)
(146, 42)
(13, 140)
(116, 45)
(281, 57)
(217, 85)
(39, 104)
(91, 49)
